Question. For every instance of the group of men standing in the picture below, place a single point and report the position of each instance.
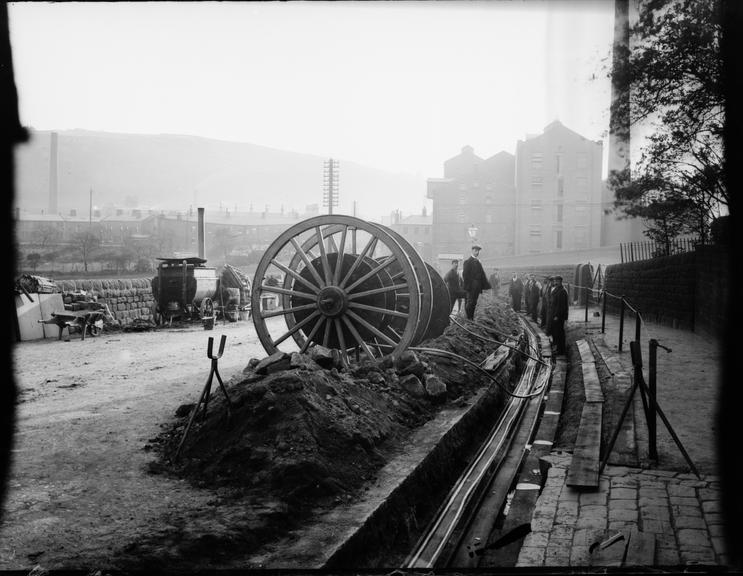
(549, 301)
(472, 282)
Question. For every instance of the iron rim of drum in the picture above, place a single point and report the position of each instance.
(349, 285)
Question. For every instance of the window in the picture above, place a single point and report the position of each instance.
(558, 163)
(558, 212)
(537, 160)
(488, 199)
(558, 239)
(581, 206)
(560, 187)
(536, 209)
(581, 186)
(537, 184)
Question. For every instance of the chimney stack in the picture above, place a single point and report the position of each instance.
(53, 175)
(202, 246)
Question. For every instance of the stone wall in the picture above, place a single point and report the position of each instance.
(689, 291)
(128, 299)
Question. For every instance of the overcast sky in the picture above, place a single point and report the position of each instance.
(400, 86)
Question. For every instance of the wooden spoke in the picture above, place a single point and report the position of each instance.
(372, 272)
(358, 260)
(326, 336)
(286, 311)
(296, 276)
(371, 328)
(392, 288)
(353, 241)
(323, 256)
(395, 332)
(295, 328)
(341, 338)
(398, 275)
(277, 290)
(312, 333)
(357, 336)
(306, 261)
(339, 260)
(387, 311)
(332, 247)
(373, 248)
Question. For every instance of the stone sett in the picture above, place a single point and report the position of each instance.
(703, 555)
(586, 536)
(625, 482)
(541, 524)
(622, 505)
(652, 493)
(716, 530)
(621, 525)
(534, 539)
(531, 556)
(593, 498)
(651, 483)
(623, 515)
(692, 537)
(570, 508)
(710, 506)
(684, 501)
(681, 491)
(580, 555)
(661, 473)
(689, 522)
(686, 511)
(714, 518)
(593, 522)
(614, 471)
(562, 532)
(557, 556)
(666, 556)
(718, 544)
(655, 512)
(569, 494)
(623, 494)
(656, 526)
(667, 539)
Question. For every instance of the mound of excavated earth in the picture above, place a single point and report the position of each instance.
(304, 433)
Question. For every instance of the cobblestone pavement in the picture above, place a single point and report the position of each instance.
(682, 511)
(661, 497)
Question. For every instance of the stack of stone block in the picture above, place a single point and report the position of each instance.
(127, 299)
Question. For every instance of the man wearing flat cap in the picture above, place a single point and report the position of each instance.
(475, 281)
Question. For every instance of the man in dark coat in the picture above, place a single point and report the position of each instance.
(475, 281)
(515, 290)
(559, 312)
(532, 297)
(453, 283)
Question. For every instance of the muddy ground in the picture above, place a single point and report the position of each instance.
(94, 485)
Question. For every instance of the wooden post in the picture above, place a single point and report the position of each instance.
(603, 312)
(586, 289)
(621, 323)
(652, 371)
(637, 326)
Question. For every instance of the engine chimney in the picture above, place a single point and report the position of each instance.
(53, 176)
(202, 246)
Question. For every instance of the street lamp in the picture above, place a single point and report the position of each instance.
(472, 233)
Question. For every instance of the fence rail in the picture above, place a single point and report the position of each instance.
(636, 251)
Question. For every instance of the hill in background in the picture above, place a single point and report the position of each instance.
(176, 172)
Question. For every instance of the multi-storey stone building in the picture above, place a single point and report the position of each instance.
(546, 198)
(473, 202)
(558, 179)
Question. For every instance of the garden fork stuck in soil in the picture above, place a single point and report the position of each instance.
(204, 398)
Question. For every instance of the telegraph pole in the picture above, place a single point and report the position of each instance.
(331, 175)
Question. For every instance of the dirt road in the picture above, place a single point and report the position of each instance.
(79, 489)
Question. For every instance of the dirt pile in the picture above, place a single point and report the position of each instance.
(304, 431)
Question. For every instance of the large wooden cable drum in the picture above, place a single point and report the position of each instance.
(343, 283)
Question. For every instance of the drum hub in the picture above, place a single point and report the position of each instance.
(331, 301)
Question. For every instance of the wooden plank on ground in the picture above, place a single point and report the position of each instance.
(641, 549)
(591, 383)
(584, 469)
(584, 349)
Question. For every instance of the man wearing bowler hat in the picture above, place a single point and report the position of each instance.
(475, 281)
